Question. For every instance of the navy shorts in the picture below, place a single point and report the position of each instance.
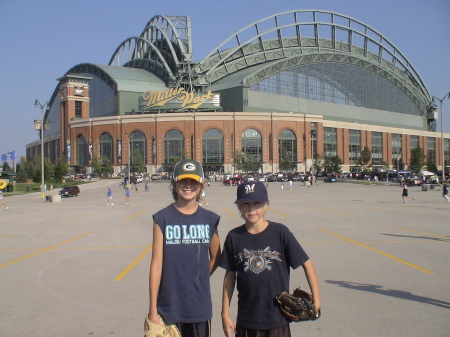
(283, 331)
(202, 329)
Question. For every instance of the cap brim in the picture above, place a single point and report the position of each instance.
(192, 176)
(249, 199)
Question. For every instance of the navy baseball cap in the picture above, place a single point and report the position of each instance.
(188, 168)
(252, 191)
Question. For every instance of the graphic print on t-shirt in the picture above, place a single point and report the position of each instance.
(257, 260)
(186, 234)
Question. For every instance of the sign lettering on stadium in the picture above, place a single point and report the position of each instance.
(188, 100)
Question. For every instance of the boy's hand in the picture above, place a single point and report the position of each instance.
(228, 327)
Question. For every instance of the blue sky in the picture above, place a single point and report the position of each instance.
(41, 40)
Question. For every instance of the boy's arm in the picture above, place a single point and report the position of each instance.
(155, 272)
(229, 282)
(311, 276)
(214, 253)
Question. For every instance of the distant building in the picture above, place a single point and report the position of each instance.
(298, 84)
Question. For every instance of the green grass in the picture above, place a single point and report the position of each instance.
(24, 188)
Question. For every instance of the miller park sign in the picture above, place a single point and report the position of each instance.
(178, 99)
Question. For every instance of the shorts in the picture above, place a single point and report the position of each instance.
(284, 331)
(202, 329)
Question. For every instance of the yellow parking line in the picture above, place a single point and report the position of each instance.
(327, 210)
(131, 266)
(382, 210)
(132, 216)
(377, 251)
(33, 217)
(43, 250)
(5, 236)
(82, 216)
(413, 230)
(230, 213)
(272, 210)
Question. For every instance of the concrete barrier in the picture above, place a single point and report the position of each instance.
(56, 198)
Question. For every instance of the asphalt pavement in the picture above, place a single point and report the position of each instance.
(80, 268)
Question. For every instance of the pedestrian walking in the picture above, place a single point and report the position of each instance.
(445, 191)
(146, 189)
(290, 184)
(257, 257)
(2, 201)
(203, 199)
(405, 194)
(127, 195)
(186, 251)
(282, 185)
(109, 197)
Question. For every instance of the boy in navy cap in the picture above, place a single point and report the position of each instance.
(186, 251)
(259, 255)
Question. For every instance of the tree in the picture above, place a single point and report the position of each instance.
(102, 166)
(250, 164)
(138, 161)
(317, 162)
(238, 160)
(365, 158)
(6, 167)
(49, 169)
(28, 166)
(286, 163)
(333, 163)
(417, 161)
(61, 169)
(22, 175)
(431, 166)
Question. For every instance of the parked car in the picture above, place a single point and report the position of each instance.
(413, 181)
(330, 179)
(155, 176)
(233, 181)
(69, 191)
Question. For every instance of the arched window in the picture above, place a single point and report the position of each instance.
(138, 148)
(106, 146)
(252, 145)
(173, 147)
(213, 146)
(81, 151)
(287, 146)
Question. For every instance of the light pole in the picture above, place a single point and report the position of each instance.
(442, 131)
(129, 158)
(39, 125)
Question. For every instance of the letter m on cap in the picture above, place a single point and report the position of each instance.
(249, 188)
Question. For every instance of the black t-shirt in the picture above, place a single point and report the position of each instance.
(184, 294)
(262, 264)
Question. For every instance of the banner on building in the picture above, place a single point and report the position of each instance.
(68, 152)
(119, 149)
(154, 149)
(90, 150)
(9, 155)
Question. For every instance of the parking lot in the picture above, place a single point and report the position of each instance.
(80, 268)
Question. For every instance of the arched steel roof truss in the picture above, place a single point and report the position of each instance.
(323, 35)
(134, 49)
(177, 29)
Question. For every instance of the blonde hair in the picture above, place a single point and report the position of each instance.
(175, 194)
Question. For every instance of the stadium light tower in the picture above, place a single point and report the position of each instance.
(441, 111)
(39, 125)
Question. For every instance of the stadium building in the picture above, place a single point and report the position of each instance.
(294, 84)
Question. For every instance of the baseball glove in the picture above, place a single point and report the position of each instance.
(160, 330)
(298, 306)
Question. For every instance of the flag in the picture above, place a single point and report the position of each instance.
(9, 155)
